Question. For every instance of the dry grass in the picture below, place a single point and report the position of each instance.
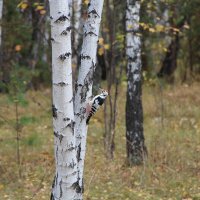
(172, 132)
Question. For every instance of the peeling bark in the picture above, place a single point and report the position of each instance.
(85, 81)
(136, 149)
(63, 112)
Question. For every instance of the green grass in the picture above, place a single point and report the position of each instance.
(172, 171)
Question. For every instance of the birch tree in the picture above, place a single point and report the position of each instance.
(70, 127)
(64, 184)
(134, 113)
(85, 79)
(1, 14)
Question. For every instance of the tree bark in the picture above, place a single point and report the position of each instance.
(65, 182)
(77, 22)
(85, 80)
(136, 149)
(169, 64)
(1, 14)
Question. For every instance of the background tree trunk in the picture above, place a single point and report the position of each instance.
(169, 64)
(85, 80)
(65, 182)
(1, 14)
(134, 113)
(77, 22)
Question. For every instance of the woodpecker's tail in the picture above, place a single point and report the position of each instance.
(88, 119)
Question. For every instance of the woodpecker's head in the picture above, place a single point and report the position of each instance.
(104, 93)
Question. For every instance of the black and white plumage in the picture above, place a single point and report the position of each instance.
(95, 104)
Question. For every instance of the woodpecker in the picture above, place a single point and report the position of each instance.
(95, 104)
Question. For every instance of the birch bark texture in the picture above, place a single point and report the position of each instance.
(64, 185)
(85, 79)
(136, 149)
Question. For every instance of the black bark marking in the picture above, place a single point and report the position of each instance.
(94, 12)
(59, 136)
(52, 197)
(78, 137)
(87, 81)
(132, 59)
(51, 17)
(90, 33)
(54, 180)
(71, 148)
(66, 31)
(78, 156)
(85, 57)
(70, 101)
(77, 187)
(71, 125)
(65, 56)
(77, 85)
(66, 119)
(134, 32)
(56, 156)
(54, 111)
(52, 40)
(77, 114)
(61, 19)
(72, 164)
(72, 174)
(61, 192)
(62, 84)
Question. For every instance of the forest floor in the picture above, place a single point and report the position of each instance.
(172, 132)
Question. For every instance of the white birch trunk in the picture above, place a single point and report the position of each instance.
(134, 113)
(85, 79)
(1, 14)
(65, 182)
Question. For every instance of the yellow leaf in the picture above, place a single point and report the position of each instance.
(186, 26)
(144, 26)
(101, 41)
(175, 29)
(101, 51)
(35, 4)
(24, 6)
(152, 30)
(130, 26)
(160, 28)
(106, 46)
(40, 8)
(85, 2)
(165, 49)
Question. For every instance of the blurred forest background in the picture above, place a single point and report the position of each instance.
(170, 32)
